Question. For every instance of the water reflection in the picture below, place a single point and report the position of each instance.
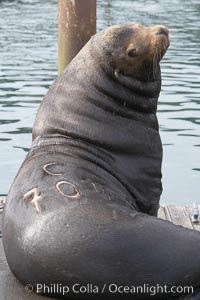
(24, 149)
(21, 130)
(8, 121)
(28, 66)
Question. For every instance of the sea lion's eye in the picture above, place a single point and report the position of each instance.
(132, 52)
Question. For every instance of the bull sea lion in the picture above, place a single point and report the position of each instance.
(81, 210)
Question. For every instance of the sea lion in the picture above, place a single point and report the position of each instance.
(81, 210)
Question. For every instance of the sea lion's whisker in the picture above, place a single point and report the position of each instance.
(154, 63)
(151, 66)
(164, 45)
(157, 61)
(160, 55)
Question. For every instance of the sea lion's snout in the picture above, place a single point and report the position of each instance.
(161, 35)
(160, 42)
(163, 30)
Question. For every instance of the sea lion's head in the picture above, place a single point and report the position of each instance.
(134, 50)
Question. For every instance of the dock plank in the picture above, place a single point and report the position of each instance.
(189, 209)
(179, 216)
(161, 213)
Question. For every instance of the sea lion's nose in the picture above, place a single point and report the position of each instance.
(162, 30)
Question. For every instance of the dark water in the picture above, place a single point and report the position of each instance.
(28, 66)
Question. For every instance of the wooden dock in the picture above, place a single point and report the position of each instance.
(10, 288)
(179, 215)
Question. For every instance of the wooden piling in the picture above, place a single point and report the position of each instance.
(77, 23)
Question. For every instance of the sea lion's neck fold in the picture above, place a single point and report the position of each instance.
(144, 88)
(135, 96)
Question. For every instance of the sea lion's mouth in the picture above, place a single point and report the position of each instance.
(148, 88)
